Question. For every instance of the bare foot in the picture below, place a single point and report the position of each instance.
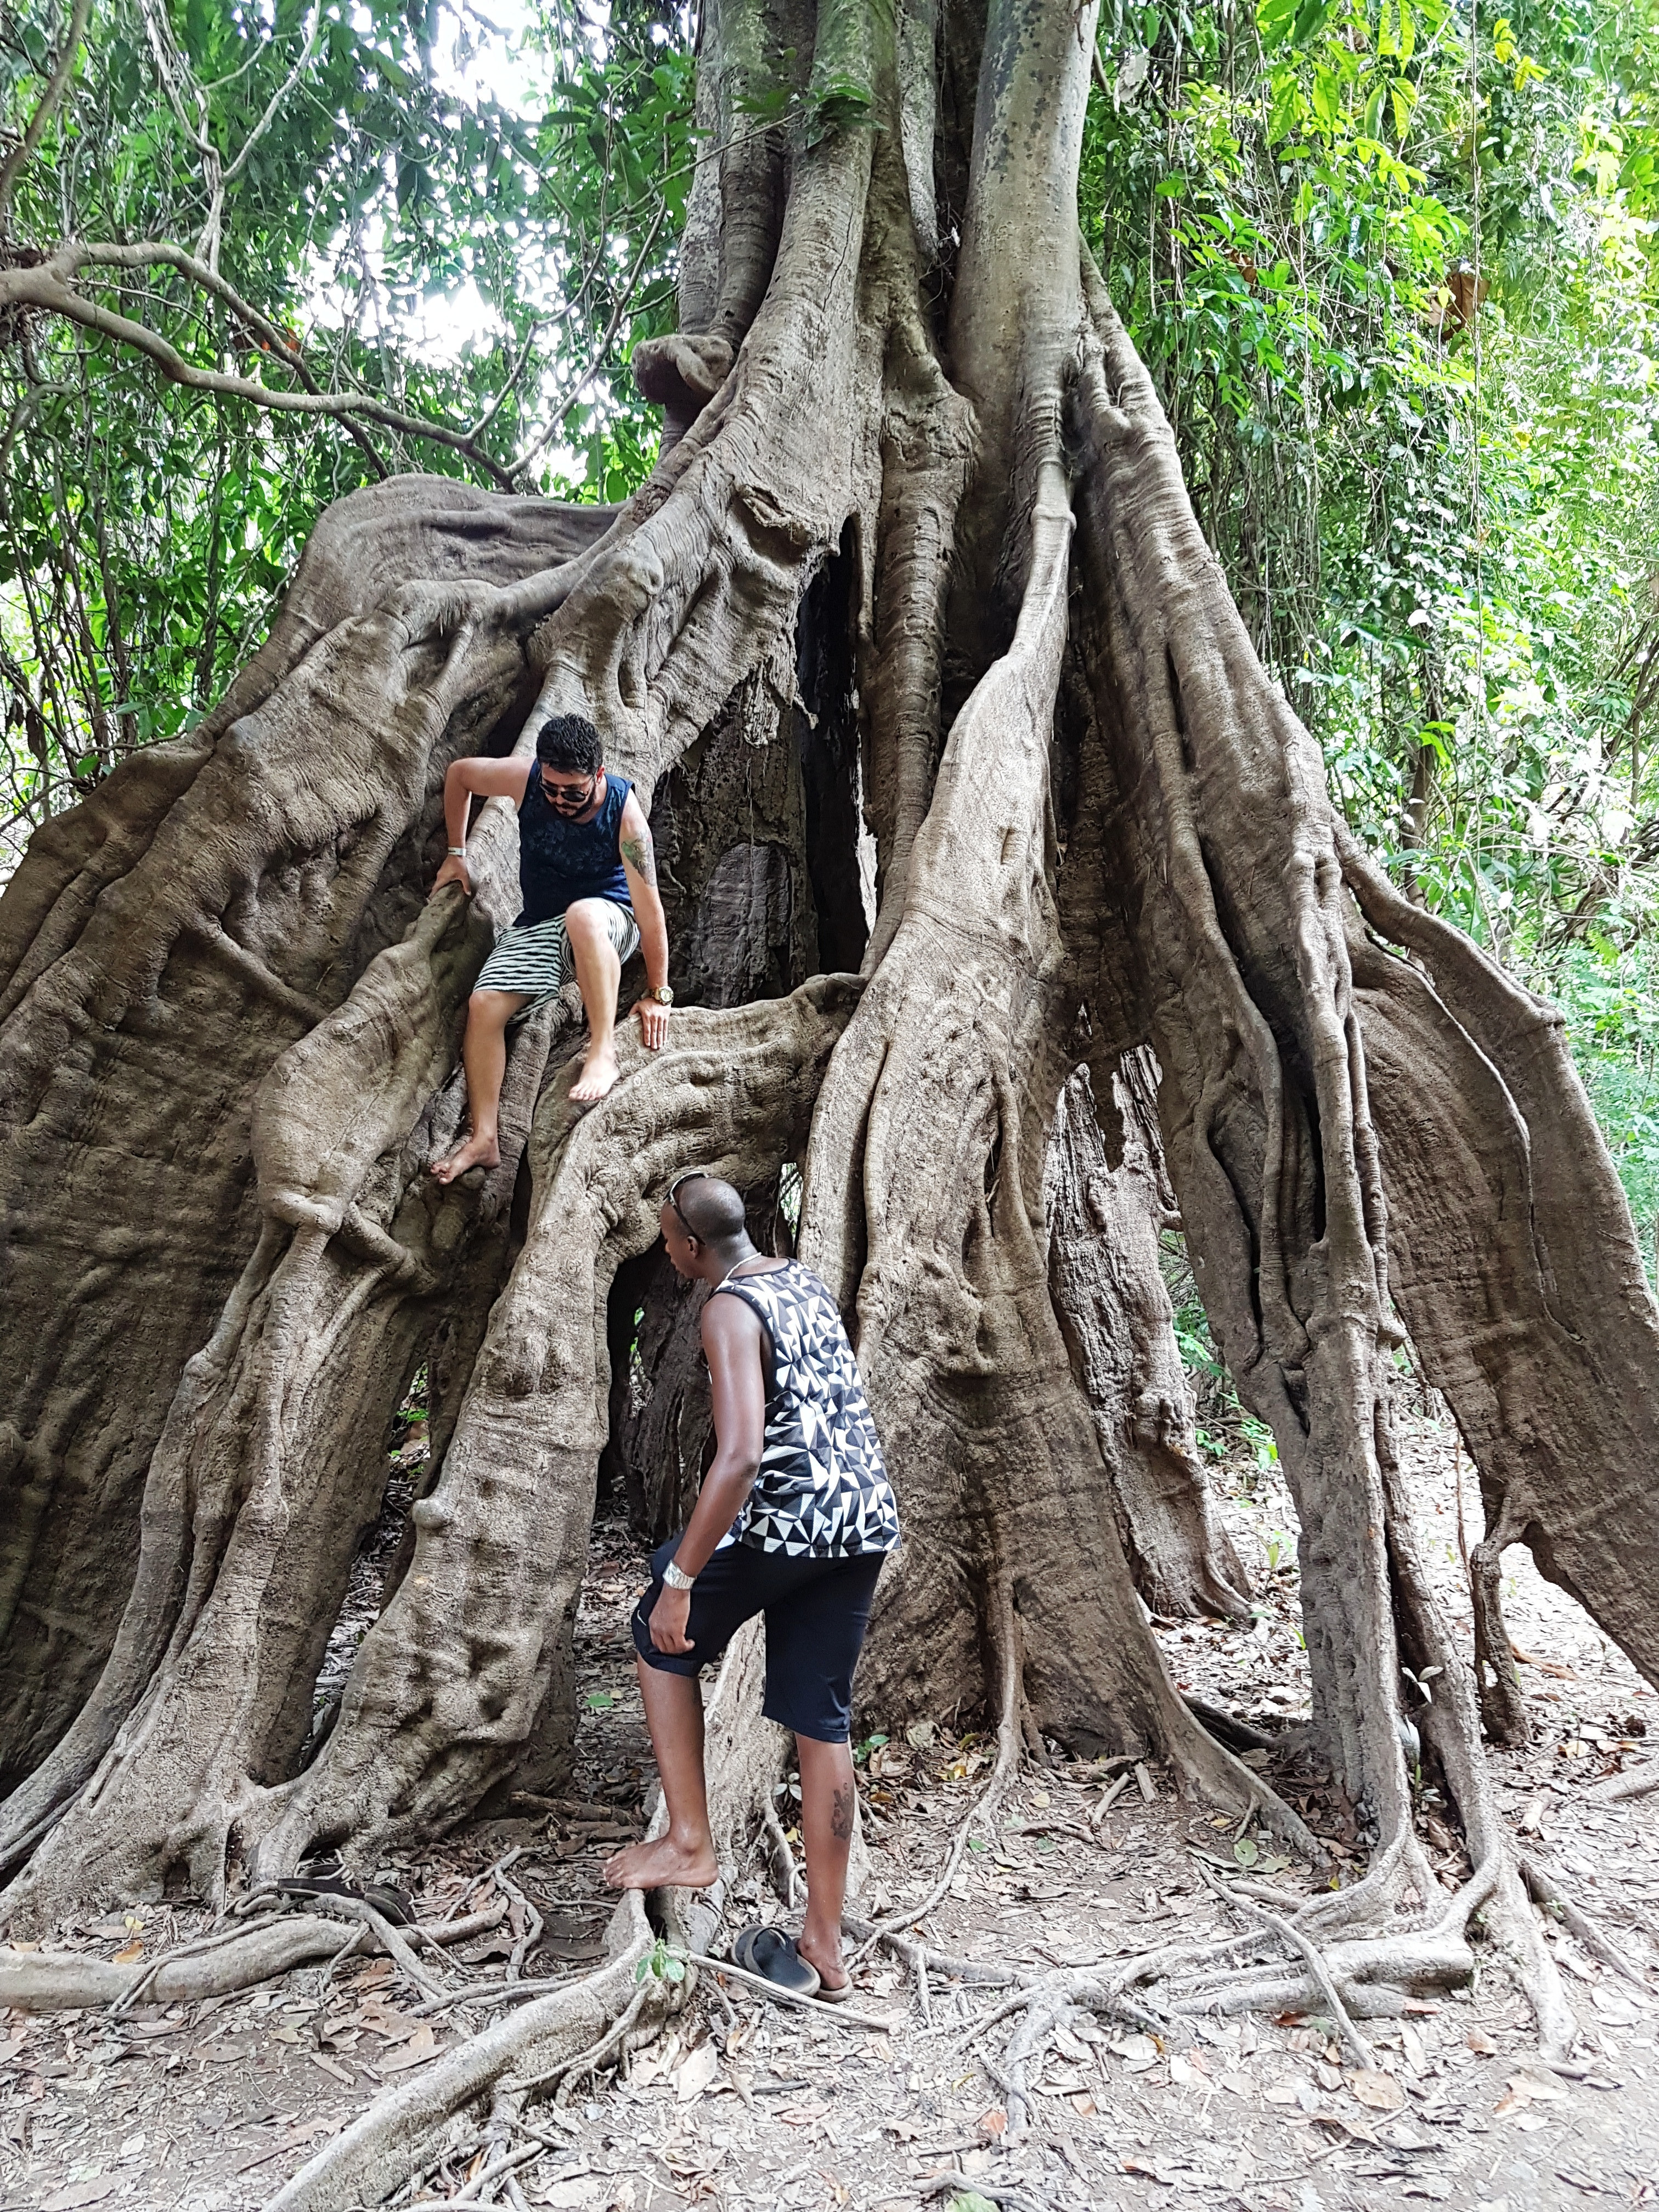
(476, 1152)
(598, 1075)
(664, 1864)
(825, 1955)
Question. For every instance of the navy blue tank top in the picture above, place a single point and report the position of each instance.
(561, 860)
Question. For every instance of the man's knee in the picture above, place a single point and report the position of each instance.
(492, 1009)
(586, 923)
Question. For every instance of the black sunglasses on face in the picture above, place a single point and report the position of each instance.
(570, 794)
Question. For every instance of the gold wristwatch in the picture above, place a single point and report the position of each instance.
(663, 994)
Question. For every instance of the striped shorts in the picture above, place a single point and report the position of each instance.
(537, 962)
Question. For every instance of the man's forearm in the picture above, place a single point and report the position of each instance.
(654, 936)
(718, 1502)
(458, 805)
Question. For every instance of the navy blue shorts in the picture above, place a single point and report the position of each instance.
(816, 1612)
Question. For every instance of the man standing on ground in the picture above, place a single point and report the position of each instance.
(588, 879)
(794, 1520)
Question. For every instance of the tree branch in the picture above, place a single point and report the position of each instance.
(167, 255)
(42, 115)
(209, 241)
(51, 288)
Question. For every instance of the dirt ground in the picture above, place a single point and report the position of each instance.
(210, 2107)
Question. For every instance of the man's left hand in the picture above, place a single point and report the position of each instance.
(669, 1617)
(653, 1023)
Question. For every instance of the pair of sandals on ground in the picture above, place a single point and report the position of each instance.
(771, 1954)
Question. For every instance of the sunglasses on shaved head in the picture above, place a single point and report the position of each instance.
(691, 1175)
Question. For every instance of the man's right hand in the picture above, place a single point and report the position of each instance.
(669, 1618)
(453, 871)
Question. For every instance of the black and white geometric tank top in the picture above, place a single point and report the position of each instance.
(821, 1492)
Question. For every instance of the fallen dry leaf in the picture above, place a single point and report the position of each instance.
(1524, 2089)
(1356, 2129)
(421, 2046)
(1083, 2105)
(994, 2122)
(1146, 2166)
(696, 2072)
(1380, 2091)
(83, 2192)
(129, 1955)
(1478, 2039)
(802, 2116)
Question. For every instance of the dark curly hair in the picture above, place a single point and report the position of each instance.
(569, 741)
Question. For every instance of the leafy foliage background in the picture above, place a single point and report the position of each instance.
(1393, 262)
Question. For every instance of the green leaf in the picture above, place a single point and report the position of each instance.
(1286, 112)
(1245, 1852)
(1311, 20)
(398, 79)
(1273, 20)
(599, 1701)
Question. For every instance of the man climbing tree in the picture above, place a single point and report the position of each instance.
(588, 879)
(794, 1520)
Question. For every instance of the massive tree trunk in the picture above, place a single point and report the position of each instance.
(914, 613)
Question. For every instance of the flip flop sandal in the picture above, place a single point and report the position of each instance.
(739, 1948)
(772, 1956)
(393, 1904)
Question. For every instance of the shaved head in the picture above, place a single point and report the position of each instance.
(710, 1209)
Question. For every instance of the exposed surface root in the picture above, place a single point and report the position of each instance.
(234, 1958)
(842, 2015)
(381, 2148)
(47, 1981)
(1546, 1887)
(1636, 1784)
(1310, 1953)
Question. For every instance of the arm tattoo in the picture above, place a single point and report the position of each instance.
(641, 857)
(841, 1815)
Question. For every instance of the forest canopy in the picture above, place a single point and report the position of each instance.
(1391, 263)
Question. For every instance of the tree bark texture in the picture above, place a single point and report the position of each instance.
(971, 795)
